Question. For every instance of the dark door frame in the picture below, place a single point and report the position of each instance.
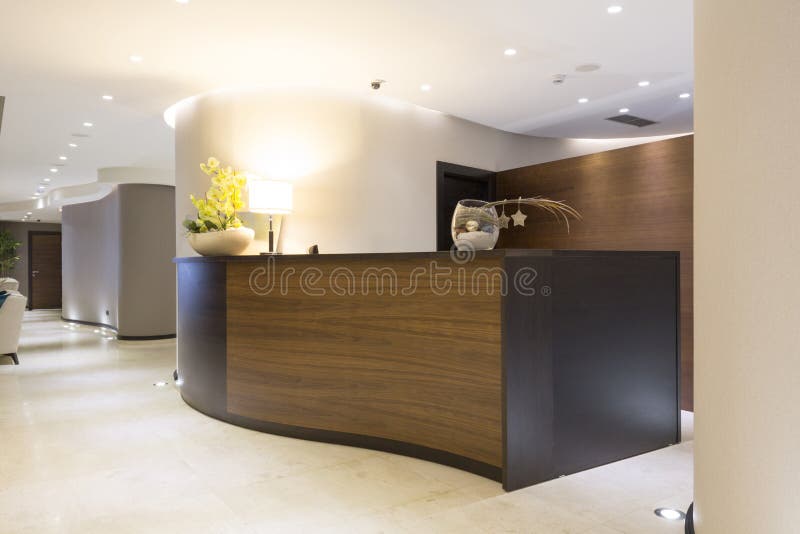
(31, 233)
(444, 169)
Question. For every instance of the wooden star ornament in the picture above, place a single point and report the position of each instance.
(519, 217)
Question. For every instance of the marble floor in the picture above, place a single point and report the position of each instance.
(88, 444)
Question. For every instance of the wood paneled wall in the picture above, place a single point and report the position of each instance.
(636, 198)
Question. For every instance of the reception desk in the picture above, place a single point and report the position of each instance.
(518, 365)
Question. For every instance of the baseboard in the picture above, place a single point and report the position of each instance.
(120, 337)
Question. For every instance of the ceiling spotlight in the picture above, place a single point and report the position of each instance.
(510, 51)
(613, 10)
(88, 124)
(62, 158)
(40, 188)
(73, 145)
(184, 2)
(29, 213)
(670, 514)
(587, 67)
(425, 87)
(136, 59)
(684, 95)
(623, 110)
(54, 170)
(107, 97)
(644, 83)
(583, 100)
(46, 180)
(160, 384)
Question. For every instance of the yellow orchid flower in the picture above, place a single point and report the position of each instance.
(217, 211)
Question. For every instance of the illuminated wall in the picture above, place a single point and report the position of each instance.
(364, 167)
(117, 260)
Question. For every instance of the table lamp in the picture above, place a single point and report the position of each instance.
(272, 197)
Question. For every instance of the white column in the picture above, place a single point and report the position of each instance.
(747, 267)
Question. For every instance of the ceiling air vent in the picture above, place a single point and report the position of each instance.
(632, 120)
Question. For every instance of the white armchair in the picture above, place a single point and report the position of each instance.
(9, 284)
(11, 314)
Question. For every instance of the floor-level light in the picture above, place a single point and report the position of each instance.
(670, 514)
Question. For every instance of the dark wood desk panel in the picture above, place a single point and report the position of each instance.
(521, 387)
(421, 368)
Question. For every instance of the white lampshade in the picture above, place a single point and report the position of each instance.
(269, 196)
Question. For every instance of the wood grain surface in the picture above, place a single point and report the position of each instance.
(636, 198)
(424, 368)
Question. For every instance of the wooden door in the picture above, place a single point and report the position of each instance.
(44, 270)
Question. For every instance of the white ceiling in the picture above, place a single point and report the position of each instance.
(57, 58)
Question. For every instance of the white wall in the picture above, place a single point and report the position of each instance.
(747, 263)
(117, 260)
(364, 168)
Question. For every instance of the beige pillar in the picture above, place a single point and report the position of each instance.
(747, 267)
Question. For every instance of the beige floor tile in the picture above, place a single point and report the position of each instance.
(91, 446)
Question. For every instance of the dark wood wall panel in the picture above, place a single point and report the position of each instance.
(636, 198)
(423, 369)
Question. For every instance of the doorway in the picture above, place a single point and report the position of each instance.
(454, 183)
(44, 270)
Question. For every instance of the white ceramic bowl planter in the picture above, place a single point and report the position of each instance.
(231, 242)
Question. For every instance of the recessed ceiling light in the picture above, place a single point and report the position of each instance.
(623, 110)
(40, 188)
(136, 59)
(54, 170)
(613, 10)
(510, 51)
(583, 100)
(425, 87)
(29, 213)
(160, 384)
(184, 2)
(684, 95)
(107, 97)
(644, 83)
(88, 124)
(587, 67)
(46, 180)
(73, 145)
(62, 158)
(670, 514)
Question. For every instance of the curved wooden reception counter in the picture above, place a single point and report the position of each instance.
(518, 365)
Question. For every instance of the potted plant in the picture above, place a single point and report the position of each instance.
(217, 229)
(8, 253)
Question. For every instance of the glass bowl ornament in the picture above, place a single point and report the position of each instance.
(475, 225)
